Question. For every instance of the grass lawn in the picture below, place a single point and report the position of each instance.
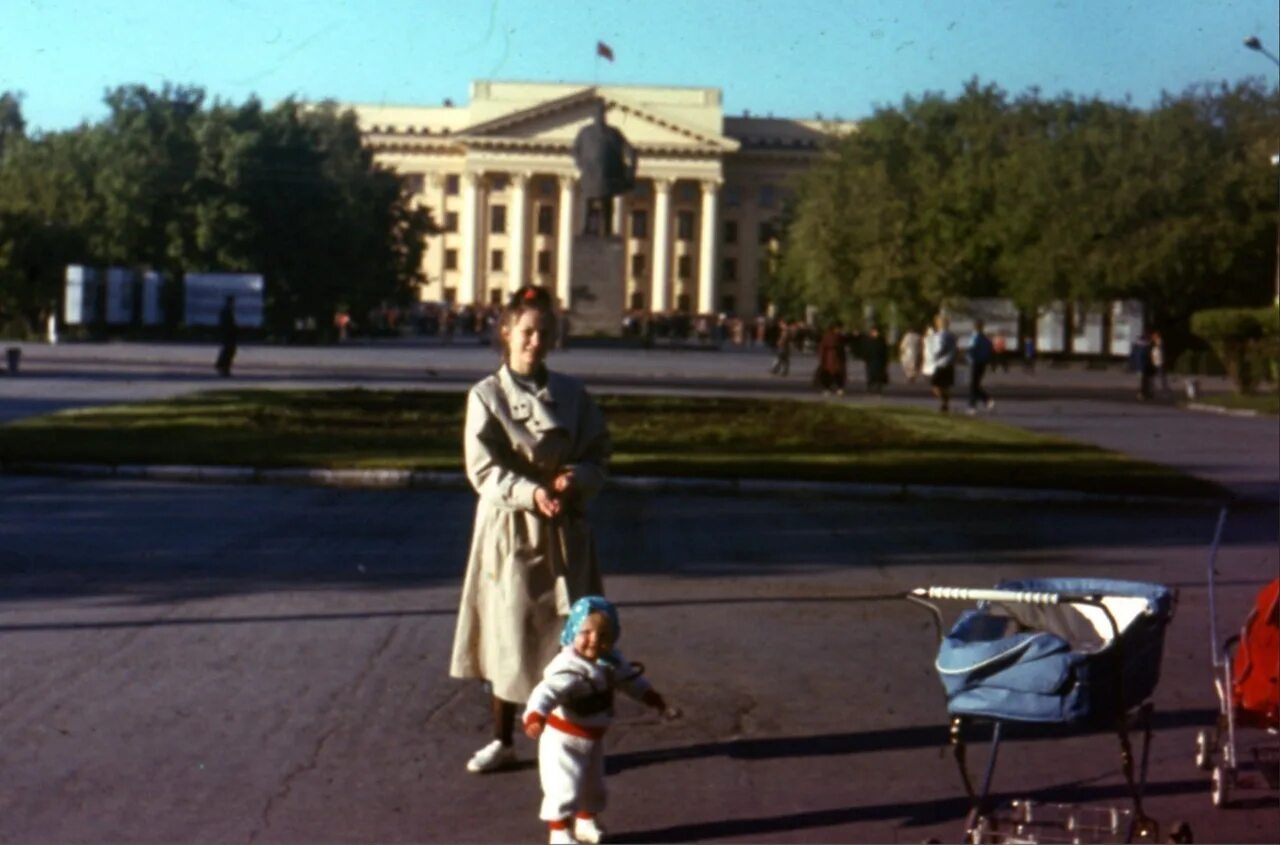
(687, 437)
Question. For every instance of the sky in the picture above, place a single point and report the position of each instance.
(788, 58)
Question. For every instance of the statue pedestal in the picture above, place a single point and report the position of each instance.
(597, 287)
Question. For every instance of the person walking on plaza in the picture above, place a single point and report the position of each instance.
(875, 357)
(227, 335)
(909, 349)
(536, 449)
(979, 353)
(942, 354)
(1029, 354)
(782, 348)
(1140, 361)
(832, 360)
(1000, 353)
(1158, 361)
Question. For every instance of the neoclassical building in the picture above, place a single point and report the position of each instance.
(499, 178)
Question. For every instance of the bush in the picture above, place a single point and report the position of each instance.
(1247, 340)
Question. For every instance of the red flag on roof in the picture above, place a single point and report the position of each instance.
(603, 49)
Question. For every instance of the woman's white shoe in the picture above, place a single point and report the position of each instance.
(491, 758)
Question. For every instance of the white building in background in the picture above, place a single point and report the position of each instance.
(499, 178)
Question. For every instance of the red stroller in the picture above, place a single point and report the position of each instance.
(1247, 680)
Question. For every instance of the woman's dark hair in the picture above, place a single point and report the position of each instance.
(529, 298)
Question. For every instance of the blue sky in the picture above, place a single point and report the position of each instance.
(792, 58)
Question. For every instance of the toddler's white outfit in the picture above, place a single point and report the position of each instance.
(575, 700)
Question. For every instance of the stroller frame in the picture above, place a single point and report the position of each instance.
(1217, 749)
(981, 823)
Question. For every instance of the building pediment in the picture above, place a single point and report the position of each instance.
(553, 124)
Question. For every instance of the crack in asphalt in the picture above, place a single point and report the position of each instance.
(313, 759)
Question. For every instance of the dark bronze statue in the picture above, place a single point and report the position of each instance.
(607, 163)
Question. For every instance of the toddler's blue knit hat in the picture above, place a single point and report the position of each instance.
(584, 607)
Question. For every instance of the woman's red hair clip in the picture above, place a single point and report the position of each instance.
(530, 295)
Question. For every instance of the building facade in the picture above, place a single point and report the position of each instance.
(499, 178)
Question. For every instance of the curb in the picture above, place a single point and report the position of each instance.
(1218, 409)
(392, 479)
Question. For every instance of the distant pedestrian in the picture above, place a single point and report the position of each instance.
(832, 360)
(782, 349)
(1029, 354)
(979, 353)
(1158, 361)
(227, 335)
(1140, 362)
(909, 353)
(943, 355)
(1000, 350)
(875, 357)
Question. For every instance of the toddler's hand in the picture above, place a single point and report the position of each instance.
(533, 725)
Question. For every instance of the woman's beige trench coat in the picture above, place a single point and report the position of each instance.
(525, 570)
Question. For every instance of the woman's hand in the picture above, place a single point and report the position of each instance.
(547, 504)
(564, 483)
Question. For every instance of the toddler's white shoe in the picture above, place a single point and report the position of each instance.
(589, 831)
(562, 836)
(491, 758)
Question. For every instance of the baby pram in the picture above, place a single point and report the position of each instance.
(1245, 670)
(1054, 651)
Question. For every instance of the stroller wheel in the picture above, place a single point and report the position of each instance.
(1220, 790)
(1204, 757)
(1180, 832)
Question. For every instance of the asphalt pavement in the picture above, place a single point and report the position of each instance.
(256, 663)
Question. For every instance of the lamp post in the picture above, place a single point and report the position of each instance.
(1254, 43)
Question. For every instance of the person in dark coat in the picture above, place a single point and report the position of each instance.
(832, 366)
(875, 356)
(607, 165)
(227, 334)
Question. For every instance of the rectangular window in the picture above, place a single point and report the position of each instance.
(768, 196)
(498, 184)
(546, 187)
(450, 295)
(684, 225)
(728, 304)
(729, 270)
(495, 259)
(732, 196)
(766, 231)
(544, 261)
(640, 223)
(451, 259)
(731, 231)
(451, 221)
(546, 219)
(414, 182)
(498, 219)
(637, 265)
(684, 266)
(451, 183)
(684, 303)
(495, 296)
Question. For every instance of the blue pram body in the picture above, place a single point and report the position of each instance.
(1057, 663)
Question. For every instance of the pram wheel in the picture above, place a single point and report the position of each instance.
(1181, 833)
(1204, 756)
(1220, 790)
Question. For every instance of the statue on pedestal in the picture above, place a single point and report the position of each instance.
(607, 163)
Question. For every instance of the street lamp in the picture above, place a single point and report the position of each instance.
(1253, 43)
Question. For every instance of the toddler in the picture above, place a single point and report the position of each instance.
(568, 713)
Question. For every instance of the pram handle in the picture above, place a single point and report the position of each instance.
(966, 594)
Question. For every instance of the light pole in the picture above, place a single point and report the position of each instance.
(1253, 43)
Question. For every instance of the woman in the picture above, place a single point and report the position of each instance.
(832, 364)
(536, 447)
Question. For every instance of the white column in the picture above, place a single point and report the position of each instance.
(619, 220)
(518, 213)
(469, 235)
(435, 243)
(707, 250)
(564, 241)
(660, 301)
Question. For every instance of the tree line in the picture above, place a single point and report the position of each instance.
(1040, 200)
(171, 183)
